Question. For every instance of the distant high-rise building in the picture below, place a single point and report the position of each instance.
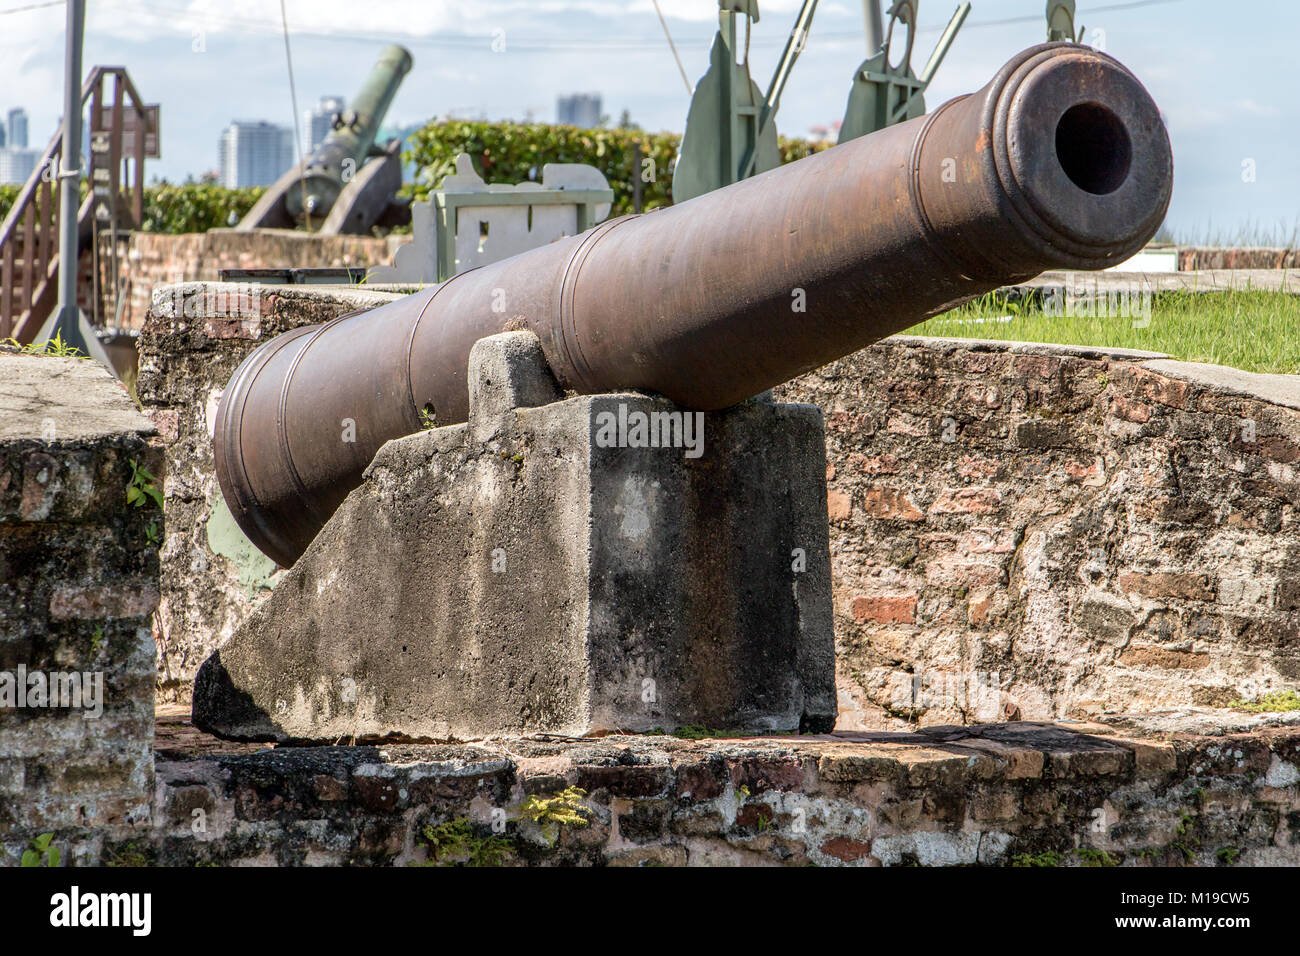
(578, 109)
(2, 136)
(318, 121)
(18, 127)
(254, 153)
(17, 164)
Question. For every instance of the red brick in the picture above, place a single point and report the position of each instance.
(329, 789)
(1156, 388)
(839, 506)
(758, 774)
(846, 849)
(1164, 657)
(1130, 410)
(230, 328)
(700, 782)
(1168, 584)
(881, 501)
(1090, 474)
(899, 609)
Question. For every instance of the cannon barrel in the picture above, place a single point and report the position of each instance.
(346, 147)
(1060, 161)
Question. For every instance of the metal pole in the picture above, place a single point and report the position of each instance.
(793, 47)
(945, 41)
(875, 26)
(70, 173)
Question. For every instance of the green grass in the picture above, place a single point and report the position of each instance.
(1250, 330)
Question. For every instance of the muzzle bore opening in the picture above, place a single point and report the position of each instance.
(1093, 148)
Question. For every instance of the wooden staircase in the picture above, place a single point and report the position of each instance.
(123, 131)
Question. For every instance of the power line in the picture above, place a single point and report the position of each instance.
(293, 98)
(672, 46)
(33, 6)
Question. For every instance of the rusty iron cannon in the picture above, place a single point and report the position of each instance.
(1060, 161)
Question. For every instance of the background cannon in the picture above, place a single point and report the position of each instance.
(347, 184)
(1061, 160)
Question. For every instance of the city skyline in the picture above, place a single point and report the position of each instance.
(17, 159)
(578, 109)
(254, 153)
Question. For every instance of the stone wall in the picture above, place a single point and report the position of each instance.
(1018, 794)
(78, 584)
(195, 338)
(1038, 531)
(1195, 257)
(154, 259)
(1015, 529)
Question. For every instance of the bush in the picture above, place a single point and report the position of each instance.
(502, 153)
(191, 207)
(516, 152)
(8, 193)
(195, 207)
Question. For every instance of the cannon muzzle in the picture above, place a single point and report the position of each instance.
(1060, 161)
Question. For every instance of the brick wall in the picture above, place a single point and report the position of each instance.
(154, 260)
(78, 585)
(1195, 257)
(1080, 795)
(1032, 530)
(1038, 531)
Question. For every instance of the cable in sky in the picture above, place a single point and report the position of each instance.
(293, 99)
(672, 46)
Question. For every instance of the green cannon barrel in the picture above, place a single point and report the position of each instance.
(348, 145)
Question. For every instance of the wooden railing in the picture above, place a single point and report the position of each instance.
(121, 130)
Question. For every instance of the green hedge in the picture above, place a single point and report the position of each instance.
(8, 193)
(510, 152)
(191, 207)
(195, 207)
(502, 153)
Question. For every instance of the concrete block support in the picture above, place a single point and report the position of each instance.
(571, 566)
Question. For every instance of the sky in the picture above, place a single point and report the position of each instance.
(1225, 75)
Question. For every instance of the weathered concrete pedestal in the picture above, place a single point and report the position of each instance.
(572, 566)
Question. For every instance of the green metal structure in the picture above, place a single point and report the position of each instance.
(730, 127)
(725, 131)
(1060, 21)
(886, 92)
